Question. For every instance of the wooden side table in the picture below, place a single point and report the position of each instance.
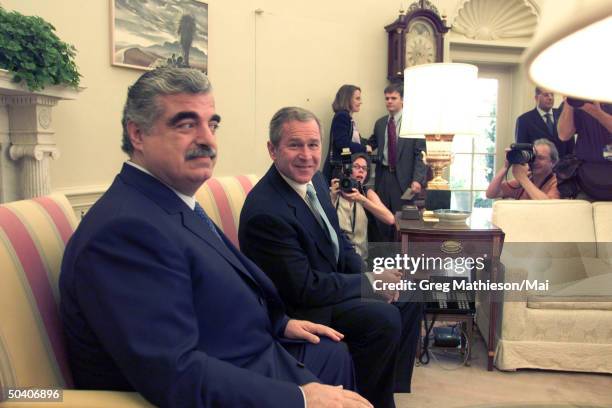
(479, 237)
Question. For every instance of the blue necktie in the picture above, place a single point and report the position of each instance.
(202, 214)
(549, 123)
(322, 217)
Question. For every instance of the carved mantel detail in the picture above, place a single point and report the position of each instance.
(34, 160)
(27, 138)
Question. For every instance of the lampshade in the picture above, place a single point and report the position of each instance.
(439, 99)
(570, 52)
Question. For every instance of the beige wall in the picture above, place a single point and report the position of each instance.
(293, 53)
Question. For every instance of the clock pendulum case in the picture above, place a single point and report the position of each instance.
(415, 38)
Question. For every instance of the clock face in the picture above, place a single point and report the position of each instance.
(420, 43)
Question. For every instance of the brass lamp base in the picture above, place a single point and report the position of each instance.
(438, 157)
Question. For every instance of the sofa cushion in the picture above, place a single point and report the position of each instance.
(545, 220)
(222, 198)
(33, 234)
(602, 216)
(592, 293)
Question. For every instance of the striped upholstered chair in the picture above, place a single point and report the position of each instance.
(33, 234)
(222, 198)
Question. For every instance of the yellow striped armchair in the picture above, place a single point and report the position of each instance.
(222, 198)
(33, 234)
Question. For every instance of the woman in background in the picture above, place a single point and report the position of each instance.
(344, 132)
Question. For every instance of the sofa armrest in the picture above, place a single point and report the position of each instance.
(87, 399)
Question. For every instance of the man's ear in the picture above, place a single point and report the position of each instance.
(135, 134)
(271, 151)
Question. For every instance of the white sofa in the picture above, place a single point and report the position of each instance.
(568, 327)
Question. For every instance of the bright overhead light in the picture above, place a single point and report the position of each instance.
(571, 52)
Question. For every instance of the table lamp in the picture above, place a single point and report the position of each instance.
(570, 51)
(439, 102)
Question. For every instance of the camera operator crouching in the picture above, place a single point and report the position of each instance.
(532, 168)
(353, 200)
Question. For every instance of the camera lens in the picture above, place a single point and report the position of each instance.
(519, 156)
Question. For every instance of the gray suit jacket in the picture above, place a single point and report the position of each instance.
(410, 166)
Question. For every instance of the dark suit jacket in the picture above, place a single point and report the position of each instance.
(152, 301)
(341, 134)
(280, 234)
(530, 127)
(410, 166)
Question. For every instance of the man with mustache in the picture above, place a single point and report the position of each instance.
(155, 299)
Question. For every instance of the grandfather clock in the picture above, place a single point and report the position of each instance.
(415, 38)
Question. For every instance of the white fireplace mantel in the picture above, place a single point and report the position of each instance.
(27, 138)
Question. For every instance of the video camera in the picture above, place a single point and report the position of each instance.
(521, 153)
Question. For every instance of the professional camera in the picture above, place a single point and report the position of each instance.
(575, 102)
(347, 184)
(521, 153)
(343, 170)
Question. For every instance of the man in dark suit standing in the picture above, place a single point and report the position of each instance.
(290, 229)
(400, 160)
(154, 298)
(541, 123)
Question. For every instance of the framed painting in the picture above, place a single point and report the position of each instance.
(153, 33)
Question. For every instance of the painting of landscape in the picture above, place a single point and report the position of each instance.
(152, 33)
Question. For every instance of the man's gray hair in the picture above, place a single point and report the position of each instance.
(142, 106)
(286, 115)
(554, 153)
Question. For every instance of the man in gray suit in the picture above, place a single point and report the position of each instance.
(400, 161)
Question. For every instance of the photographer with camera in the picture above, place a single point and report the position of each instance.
(589, 174)
(352, 199)
(532, 168)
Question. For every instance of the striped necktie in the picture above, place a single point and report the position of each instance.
(311, 194)
(202, 214)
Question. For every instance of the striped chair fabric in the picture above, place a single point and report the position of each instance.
(33, 235)
(222, 198)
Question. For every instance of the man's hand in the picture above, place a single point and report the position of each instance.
(520, 172)
(416, 187)
(389, 276)
(305, 330)
(326, 396)
(368, 149)
(592, 109)
(506, 163)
